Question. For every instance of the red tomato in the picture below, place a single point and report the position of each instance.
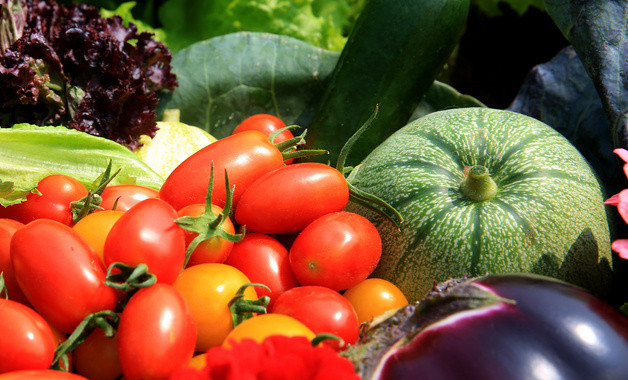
(97, 357)
(337, 250)
(27, 341)
(321, 309)
(267, 124)
(57, 192)
(59, 273)
(288, 199)
(126, 196)
(264, 260)
(41, 374)
(7, 229)
(245, 156)
(147, 234)
(213, 250)
(156, 334)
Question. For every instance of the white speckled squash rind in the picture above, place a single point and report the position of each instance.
(547, 217)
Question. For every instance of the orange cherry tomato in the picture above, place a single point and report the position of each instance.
(262, 326)
(373, 297)
(95, 227)
(208, 288)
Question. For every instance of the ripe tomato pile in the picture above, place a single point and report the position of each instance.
(240, 242)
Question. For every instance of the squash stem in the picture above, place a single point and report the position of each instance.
(478, 186)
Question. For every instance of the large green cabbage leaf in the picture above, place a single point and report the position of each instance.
(228, 78)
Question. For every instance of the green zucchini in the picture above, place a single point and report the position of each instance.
(392, 56)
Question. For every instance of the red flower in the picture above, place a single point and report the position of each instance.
(621, 201)
(276, 358)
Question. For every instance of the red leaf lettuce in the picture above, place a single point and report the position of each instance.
(66, 65)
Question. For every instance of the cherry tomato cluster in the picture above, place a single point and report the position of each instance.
(239, 242)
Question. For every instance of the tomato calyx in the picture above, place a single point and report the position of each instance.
(288, 148)
(208, 225)
(356, 195)
(243, 309)
(129, 278)
(92, 200)
(3, 287)
(106, 320)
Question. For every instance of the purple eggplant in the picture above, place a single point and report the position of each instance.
(497, 327)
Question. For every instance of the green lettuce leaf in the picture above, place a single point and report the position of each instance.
(125, 10)
(322, 23)
(29, 153)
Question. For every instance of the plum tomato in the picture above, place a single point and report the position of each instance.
(156, 333)
(264, 260)
(262, 326)
(322, 310)
(208, 288)
(244, 156)
(147, 233)
(212, 250)
(374, 297)
(52, 200)
(288, 199)
(95, 227)
(337, 250)
(267, 124)
(59, 273)
(125, 196)
(27, 340)
(7, 229)
(96, 357)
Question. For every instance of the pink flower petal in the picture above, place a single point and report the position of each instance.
(622, 153)
(613, 201)
(621, 247)
(622, 207)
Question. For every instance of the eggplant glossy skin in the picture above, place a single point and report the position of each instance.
(553, 331)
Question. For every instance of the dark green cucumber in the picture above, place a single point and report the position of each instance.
(392, 56)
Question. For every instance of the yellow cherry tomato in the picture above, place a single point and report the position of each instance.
(373, 297)
(198, 361)
(208, 288)
(95, 227)
(262, 326)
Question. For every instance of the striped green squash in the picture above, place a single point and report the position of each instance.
(486, 191)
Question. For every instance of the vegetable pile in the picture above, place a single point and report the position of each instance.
(296, 190)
